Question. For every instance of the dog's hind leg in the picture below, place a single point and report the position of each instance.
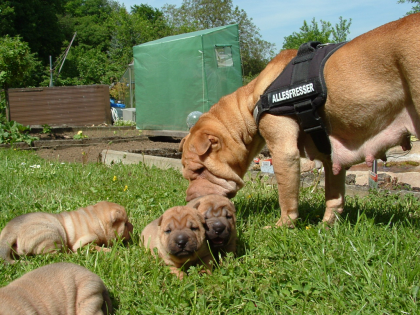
(335, 186)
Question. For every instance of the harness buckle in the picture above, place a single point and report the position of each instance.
(308, 117)
(312, 124)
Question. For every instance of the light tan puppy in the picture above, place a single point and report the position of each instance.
(60, 288)
(38, 232)
(373, 104)
(220, 216)
(180, 239)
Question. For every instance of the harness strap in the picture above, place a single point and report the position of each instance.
(307, 83)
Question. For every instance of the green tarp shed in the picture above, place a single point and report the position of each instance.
(179, 74)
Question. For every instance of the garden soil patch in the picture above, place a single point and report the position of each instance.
(61, 146)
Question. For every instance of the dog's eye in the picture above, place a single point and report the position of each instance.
(229, 217)
(168, 231)
(194, 228)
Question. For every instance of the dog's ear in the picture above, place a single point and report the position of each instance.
(181, 144)
(196, 205)
(159, 220)
(117, 215)
(202, 142)
(216, 142)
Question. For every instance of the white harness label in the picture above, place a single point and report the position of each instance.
(294, 92)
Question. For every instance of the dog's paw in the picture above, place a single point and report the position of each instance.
(102, 249)
(285, 223)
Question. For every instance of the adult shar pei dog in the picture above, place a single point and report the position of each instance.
(373, 104)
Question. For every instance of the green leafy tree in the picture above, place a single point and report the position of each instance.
(106, 34)
(146, 12)
(89, 19)
(415, 8)
(36, 22)
(142, 25)
(18, 65)
(87, 61)
(195, 15)
(323, 33)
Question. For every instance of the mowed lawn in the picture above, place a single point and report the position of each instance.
(368, 263)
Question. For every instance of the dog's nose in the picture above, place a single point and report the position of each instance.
(181, 240)
(218, 227)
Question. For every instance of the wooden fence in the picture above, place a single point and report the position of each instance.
(65, 105)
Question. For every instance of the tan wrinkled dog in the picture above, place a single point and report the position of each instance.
(180, 239)
(60, 288)
(373, 104)
(220, 216)
(39, 232)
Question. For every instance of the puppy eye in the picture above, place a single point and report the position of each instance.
(229, 217)
(194, 228)
(168, 231)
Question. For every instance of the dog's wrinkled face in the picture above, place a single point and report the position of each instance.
(210, 161)
(219, 214)
(182, 231)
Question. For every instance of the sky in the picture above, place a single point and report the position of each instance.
(277, 19)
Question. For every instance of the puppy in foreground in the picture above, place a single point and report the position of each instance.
(60, 288)
(180, 239)
(41, 233)
(220, 216)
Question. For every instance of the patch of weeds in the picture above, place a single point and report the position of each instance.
(80, 135)
(46, 129)
(12, 132)
(120, 122)
(402, 163)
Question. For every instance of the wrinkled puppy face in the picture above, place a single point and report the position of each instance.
(182, 231)
(219, 214)
(117, 219)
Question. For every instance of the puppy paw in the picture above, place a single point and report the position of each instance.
(102, 249)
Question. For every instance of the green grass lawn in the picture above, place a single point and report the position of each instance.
(368, 263)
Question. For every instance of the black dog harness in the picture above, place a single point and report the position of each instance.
(300, 90)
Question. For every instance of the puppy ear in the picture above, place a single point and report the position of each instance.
(116, 215)
(196, 205)
(159, 220)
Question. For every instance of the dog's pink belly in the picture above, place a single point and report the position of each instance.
(347, 152)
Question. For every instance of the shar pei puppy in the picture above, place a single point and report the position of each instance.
(60, 288)
(180, 239)
(220, 217)
(39, 232)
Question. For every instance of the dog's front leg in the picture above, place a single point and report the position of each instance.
(281, 135)
(335, 186)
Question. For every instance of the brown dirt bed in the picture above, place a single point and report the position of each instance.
(60, 145)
